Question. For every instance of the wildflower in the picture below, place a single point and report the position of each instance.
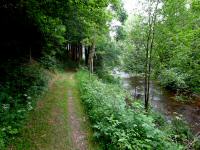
(5, 106)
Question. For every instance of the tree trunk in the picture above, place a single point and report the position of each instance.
(30, 55)
(91, 56)
(146, 97)
(149, 49)
(87, 51)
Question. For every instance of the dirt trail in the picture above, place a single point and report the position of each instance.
(79, 137)
(58, 122)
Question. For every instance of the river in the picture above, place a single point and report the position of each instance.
(163, 100)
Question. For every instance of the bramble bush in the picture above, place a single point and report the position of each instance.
(116, 126)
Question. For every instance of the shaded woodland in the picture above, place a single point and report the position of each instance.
(40, 39)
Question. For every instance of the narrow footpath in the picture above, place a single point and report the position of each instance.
(58, 122)
(79, 136)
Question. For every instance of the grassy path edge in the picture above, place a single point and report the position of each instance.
(48, 126)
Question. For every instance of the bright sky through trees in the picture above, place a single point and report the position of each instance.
(132, 6)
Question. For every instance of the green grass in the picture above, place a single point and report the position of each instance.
(48, 127)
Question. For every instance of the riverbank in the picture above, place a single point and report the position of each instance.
(120, 122)
(163, 100)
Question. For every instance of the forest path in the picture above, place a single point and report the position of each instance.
(78, 135)
(58, 122)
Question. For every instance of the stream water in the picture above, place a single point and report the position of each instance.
(163, 100)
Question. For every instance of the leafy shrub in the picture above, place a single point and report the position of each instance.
(172, 79)
(107, 77)
(182, 98)
(180, 130)
(18, 95)
(159, 119)
(116, 126)
(2, 145)
(49, 62)
(196, 143)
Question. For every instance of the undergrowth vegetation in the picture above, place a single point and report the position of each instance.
(19, 90)
(118, 126)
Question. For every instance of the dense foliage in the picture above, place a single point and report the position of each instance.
(34, 36)
(118, 126)
(107, 58)
(18, 97)
(38, 37)
(179, 52)
(175, 56)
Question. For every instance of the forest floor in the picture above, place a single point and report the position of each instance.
(58, 122)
